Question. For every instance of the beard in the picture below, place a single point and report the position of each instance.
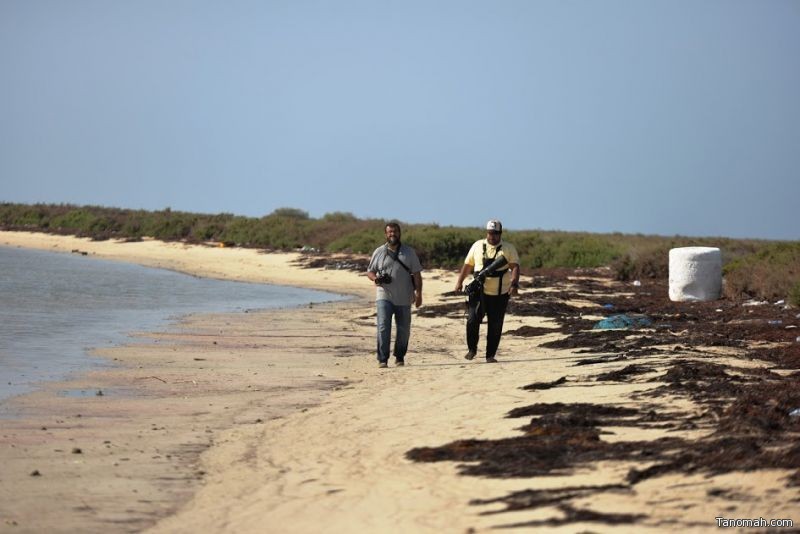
(392, 240)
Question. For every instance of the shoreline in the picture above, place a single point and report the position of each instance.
(235, 434)
(82, 329)
(222, 263)
(59, 435)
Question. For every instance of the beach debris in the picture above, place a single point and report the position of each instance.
(99, 393)
(35, 473)
(157, 378)
(608, 306)
(780, 302)
(624, 373)
(77, 450)
(695, 274)
(531, 331)
(775, 322)
(545, 385)
(637, 283)
(602, 359)
(746, 409)
(623, 321)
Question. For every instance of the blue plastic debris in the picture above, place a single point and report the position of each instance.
(608, 306)
(623, 321)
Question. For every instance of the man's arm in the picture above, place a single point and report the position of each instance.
(372, 269)
(514, 279)
(466, 269)
(417, 289)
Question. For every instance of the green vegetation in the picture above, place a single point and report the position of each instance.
(772, 272)
(753, 268)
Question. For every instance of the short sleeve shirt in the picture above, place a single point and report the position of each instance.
(400, 291)
(475, 258)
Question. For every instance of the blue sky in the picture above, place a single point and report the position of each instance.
(658, 117)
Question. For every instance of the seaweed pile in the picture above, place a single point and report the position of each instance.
(749, 414)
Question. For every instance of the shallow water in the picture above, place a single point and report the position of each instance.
(54, 307)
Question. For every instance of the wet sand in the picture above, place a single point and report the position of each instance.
(280, 421)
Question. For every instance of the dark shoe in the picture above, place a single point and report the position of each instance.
(399, 363)
(491, 360)
(383, 365)
(469, 355)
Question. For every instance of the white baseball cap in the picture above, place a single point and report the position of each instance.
(494, 225)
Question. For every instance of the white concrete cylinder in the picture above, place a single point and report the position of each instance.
(695, 274)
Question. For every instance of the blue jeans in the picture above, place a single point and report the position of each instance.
(402, 318)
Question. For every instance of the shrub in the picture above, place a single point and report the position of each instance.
(239, 230)
(760, 269)
(77, 221)
(440, 247)
(794, 295)
(652, 262)
(21, 216)
(583, 251)
(363, 241)
(291, 213)
(770, 273)
(339, 217)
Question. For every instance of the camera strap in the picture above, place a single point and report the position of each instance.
(396, 257)
(496, 274)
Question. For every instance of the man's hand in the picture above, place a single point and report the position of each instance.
(459, 287)
(417, 299)
(514, 291)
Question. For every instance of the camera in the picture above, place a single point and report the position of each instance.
(383, 278)
(474, 288)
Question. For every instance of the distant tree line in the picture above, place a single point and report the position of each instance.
(753, 268)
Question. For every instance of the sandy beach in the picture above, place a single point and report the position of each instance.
(280, 421)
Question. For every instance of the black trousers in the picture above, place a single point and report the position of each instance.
(494, 308)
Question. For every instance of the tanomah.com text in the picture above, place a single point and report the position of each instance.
(754, 523)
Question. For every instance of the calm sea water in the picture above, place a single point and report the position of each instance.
(54, 307)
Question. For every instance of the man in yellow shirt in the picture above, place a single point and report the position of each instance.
(492, 300)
